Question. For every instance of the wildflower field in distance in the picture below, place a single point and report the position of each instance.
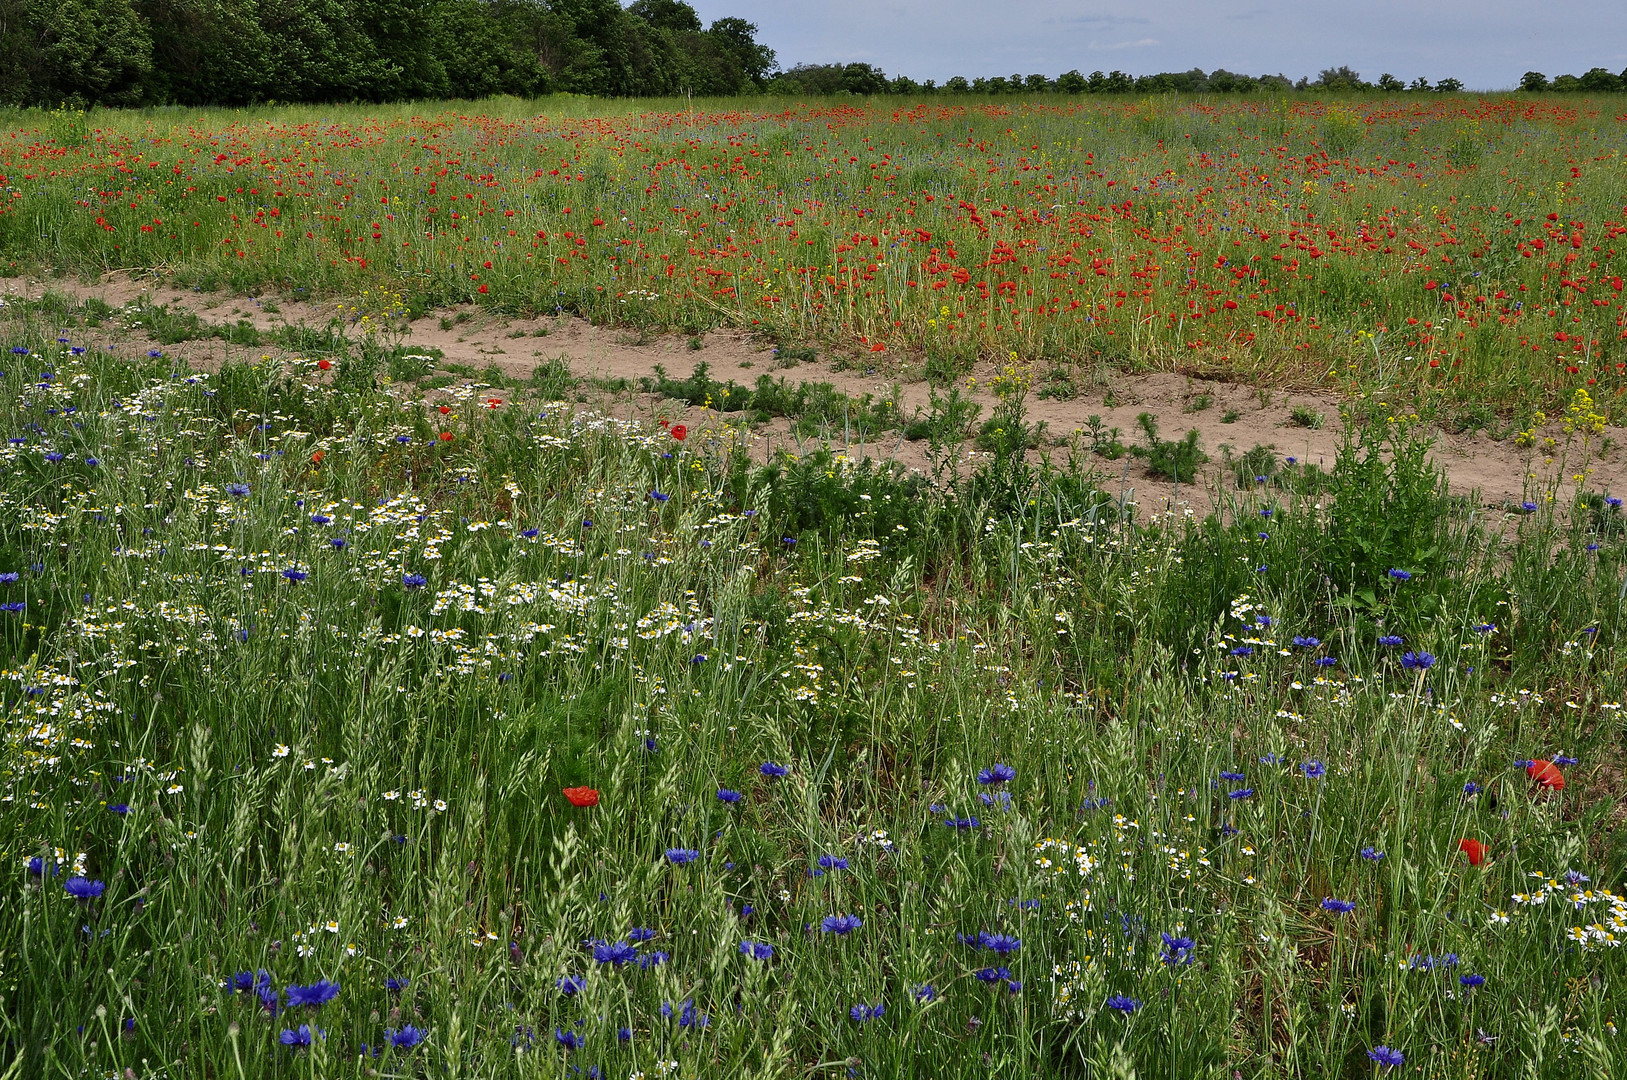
(353, 731)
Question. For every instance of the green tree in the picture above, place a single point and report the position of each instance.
(1534, 82)
(88, 51)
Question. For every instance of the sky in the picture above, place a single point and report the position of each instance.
(1488, 44)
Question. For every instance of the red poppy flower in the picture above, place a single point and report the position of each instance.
(446, 436)
(1546, 774)
(445, 409)
(324, 364)
(1474, 849)
(582, 796)
(680, 432)
(316, 458)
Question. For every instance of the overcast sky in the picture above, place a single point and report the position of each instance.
(1488, 44)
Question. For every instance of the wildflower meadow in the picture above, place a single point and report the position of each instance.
(352, 731)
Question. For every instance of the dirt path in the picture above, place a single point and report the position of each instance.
(1224, 414)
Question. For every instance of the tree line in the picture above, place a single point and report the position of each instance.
(242, 52)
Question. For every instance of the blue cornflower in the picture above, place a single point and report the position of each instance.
(1561, 759)
(570, 985)
(1014, 986)
(652, 960)
(771, 770)
(1233, 776)
(1471, 788)
(321, 519)
(659, 496)
(92, 462)
(688, 1017)
(1123, 1004)
(962, 822)
(295, 574)
(992, 974)
(926, 994)
(728, 795)
(315, 995)
(1390, 639)
(863, 1013)
(1528, 506)
(1307, 642)
(395, 985)
(339, 543)
(244, 981)
(1177, 950)
(1243, 650)
(414, 581)
(406, 1038)
(1386, 1057)
(1002, 799)
(120, 809)
(83, 888)
(1472, 982)
(1371, 854)
(53, 457)
(1241, 793)
(1326, 661)
(529, 534)
(1338, 907)
(569, 1040)
(1420, 661)
(1314, 769)
(996, 774)
(832, 862)
(756, 950)
(1003, 944)
(680, 856)
(296, 1038)
(614, 952)
(239, 490)
(1400, 575)
(640, 934)
(840, 925)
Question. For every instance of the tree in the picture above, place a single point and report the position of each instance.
(1600, 81)
(673, 15)
(1449, 86)
(1390, 84)
(1071, 82)
(957, 84)
(1534, 82)
(1342, 77)
(1037, 84)
(739, 37)
(1420, 83)
(89, 51)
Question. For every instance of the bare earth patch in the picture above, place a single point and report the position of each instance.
(1224, 414)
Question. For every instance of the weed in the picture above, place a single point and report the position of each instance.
(1306, 417)
(1178, 461)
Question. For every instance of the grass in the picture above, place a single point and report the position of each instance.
(1288, 240)
(297, 671)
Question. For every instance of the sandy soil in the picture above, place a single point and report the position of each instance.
(1497, 471)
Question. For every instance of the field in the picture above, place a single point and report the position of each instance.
(1459, 248)
(360, 721)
